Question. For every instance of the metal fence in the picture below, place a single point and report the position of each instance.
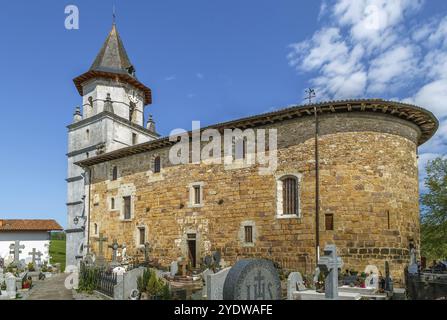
(426, 286)
(100, 279)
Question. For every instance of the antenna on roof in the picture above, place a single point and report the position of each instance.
(310, 95)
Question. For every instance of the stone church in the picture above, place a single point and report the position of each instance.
(122, 184)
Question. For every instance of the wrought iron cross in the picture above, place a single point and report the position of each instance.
(115, 246)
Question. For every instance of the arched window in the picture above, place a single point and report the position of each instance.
(157, 165)
(288, 205)
(290, 196)
(115, 173)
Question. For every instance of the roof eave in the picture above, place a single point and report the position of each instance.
(91, 74)
(424, 119)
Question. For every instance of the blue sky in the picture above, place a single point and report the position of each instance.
(209, 61)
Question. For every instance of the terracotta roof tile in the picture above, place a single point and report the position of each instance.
(29, 225)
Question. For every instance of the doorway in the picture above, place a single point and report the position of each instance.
(192, 251)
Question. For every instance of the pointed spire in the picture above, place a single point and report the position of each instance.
(113, 56)
(150, 125)
(108, 104)
(77, 116)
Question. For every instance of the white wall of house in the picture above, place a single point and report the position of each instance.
(32, 239)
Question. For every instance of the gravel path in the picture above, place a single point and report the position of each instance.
(50, 289)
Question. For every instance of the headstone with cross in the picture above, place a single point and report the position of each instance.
(33, 254)
(183, 263)
(115, 246)
(15, 250)
(388, 280)
(330, 263)
(146, 252)
(39, 258)
(100, 260)
(252, 279)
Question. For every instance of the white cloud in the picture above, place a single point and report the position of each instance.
(171, 78)
(365, 48)
(392, 69)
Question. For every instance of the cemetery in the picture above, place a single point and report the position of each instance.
(126, 278)
(17, 277)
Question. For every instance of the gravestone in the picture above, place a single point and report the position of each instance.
(388, 280)
(330, 263)
(114, 246)
(38, 259)
(294, 283)
(183, 263)
(174, 268)
(371, 269)
(33, 254)
(372, 281)
(207, 261)
(11, 288)
(147, 249)
(316, 276)
(413, 267)
(215, 284)
(100, 260)
(252, 279)
(205, 279)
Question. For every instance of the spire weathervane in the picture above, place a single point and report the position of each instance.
(310, 95)
(114, 15)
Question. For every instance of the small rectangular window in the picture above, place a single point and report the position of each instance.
(197, 197)
(329, 222)
(388, 219)
(127, 211)
(114, 173)
(134, 138)
(248, 234)
(142, 236)
(112, 203)
(157, 165)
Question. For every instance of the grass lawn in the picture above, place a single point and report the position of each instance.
(57, 252)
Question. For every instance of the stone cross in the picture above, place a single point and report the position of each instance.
(101, 240)
(330, 262)
(15, 250)
(100, 261)
(33, 254)
(39, 255)
(115, 246)
(388, 280)
(183, 264)
(146, 252)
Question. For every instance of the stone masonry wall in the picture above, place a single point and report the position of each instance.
(369, 182)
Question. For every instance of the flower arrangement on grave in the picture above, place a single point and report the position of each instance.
(88, 279)
(31, 267)
(320, 284)
(28, 283)
(151, 287)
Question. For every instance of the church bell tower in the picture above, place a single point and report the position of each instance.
(111, 117)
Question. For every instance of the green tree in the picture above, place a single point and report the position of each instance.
(434, 211)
